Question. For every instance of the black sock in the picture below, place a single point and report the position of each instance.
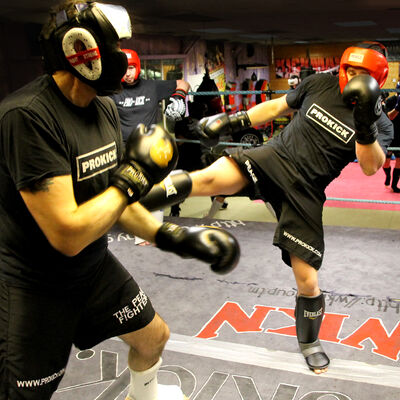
(387, 173)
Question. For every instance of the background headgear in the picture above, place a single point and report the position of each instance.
(133, 59)
(370, 56)
(83, 39)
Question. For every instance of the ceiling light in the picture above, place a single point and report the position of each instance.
(354, 24)
(216, 30)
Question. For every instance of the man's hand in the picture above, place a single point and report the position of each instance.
(212, 245)
(150, 155)
(363, 94)
(176, 108)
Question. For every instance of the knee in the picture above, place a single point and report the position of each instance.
(156, 340)
(149, 342)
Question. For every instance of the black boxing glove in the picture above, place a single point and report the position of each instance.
(176, 108)
(174, 189)
(150, 155)
(209, 129)
(363, 94)
(212, 245)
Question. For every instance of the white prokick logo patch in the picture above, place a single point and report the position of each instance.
(330, 123)
(96, 162)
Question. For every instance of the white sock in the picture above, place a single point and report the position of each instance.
(144, 385)
(169, 392)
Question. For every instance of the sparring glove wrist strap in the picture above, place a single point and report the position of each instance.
(180, 92)
(131, 180)
(366, 134)
(168, 238)
(239, 121)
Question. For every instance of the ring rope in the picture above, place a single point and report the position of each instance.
(250, 92)
(219, 143)
(247, 144)
(363, 200)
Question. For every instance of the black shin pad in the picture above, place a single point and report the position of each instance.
(309, 313)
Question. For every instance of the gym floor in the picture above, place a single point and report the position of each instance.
(233, 336)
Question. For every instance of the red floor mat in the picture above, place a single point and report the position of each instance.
(352, 184)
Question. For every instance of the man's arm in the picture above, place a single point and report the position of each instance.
(209, 129)
(362, 93)
(149, 157)
(68, 227)
(392, 114)
(182, 85)
(269, 110)
(138, 221)
(370, 157)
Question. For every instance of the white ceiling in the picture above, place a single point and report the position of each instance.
(252, 21)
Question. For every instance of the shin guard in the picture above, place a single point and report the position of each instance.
(309, 314)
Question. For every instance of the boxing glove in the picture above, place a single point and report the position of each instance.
(150, 155)
(212, 245)
(363, 94)
(176, 108)
(209, 129)
(172, 190)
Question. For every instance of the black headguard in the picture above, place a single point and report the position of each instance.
(87, 44)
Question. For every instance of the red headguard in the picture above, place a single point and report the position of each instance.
(363, 56)
(133, 59)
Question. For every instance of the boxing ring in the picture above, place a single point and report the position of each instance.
(233, 336)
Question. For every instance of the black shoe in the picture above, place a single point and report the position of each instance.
(175, 211)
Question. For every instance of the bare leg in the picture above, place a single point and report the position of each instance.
(146, 344)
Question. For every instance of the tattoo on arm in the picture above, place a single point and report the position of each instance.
(41, 186)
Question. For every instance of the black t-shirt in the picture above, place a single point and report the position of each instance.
(139, 103)
(42, 135)
(320, 140)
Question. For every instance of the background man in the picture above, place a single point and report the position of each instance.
(392, 105)
(138, 102)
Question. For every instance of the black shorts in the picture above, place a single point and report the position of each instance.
(297, 204)
(38, 328)
(395, 143)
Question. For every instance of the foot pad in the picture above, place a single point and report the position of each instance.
(314, 355)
